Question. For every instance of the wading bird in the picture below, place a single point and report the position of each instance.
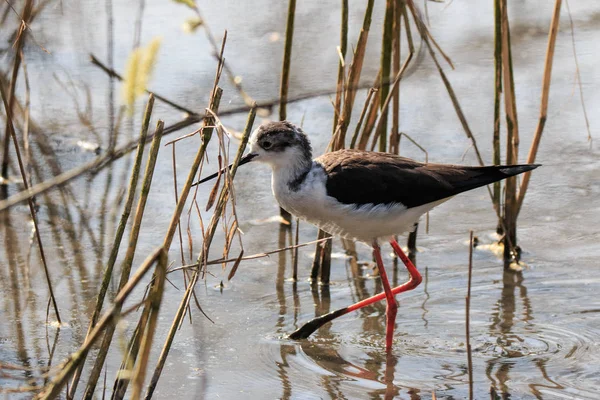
(361, 195)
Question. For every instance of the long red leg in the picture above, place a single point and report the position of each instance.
(415, 279)
(392, 307)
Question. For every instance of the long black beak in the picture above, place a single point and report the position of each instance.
(244, 160)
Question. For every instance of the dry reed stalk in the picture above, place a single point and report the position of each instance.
(287, 58)
(285, 80)
(18, 45)
(544, 103)
(339, 142)
(386, 57)
(208, 236)
(468, 317)
(512, 139)
(107, 275)
(497, 94)
(11, 132)
(394, 146)
(129, 255)
(26, 120)
(355, 69)
(153, 304)
(53, 389)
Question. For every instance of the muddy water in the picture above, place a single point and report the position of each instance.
(534, 334)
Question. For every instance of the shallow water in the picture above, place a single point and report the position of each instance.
(534, 334)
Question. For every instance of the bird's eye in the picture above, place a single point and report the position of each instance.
(267, 145)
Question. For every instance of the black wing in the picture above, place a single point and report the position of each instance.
(360, 177)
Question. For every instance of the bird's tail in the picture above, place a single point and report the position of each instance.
(473, 177)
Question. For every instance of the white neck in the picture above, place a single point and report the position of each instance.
(288, 166)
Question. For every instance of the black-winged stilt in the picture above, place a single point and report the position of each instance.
(361, 195)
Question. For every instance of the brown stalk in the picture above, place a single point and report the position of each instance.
(386, 57)
(154, 300)
(356, 69)
(512, 138)
(285, 79)
(341, 137)
(107, 275)
(497, 95)
(11, 132)
(394, 146)
(544, 104)
(468, 317)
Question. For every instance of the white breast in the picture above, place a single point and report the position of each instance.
(366, 223)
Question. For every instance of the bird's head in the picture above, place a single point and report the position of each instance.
(279, 144)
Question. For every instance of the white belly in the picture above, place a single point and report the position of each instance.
(365, 223)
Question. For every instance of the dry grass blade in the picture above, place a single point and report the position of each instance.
(107, 275)
(250, 257)
(53, 389)
(235, 266)
(544, 103)
(215, 190)
(129, 255)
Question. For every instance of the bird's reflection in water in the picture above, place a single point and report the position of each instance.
(322, 350)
